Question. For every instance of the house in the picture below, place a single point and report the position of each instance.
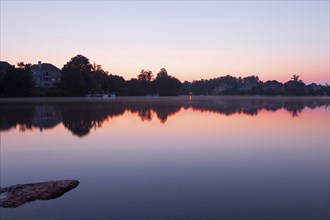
(4, 66)
(46, 75)
(222, 87)
(246, 87)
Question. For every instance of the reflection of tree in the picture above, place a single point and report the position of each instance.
(81, 117)
(295, 113)
(295, 108)
(28, 116)
(145, 114)
(228, 106)
(80, 121)
(237, 105)
(163, 112)
(163, 109)
(143, 110)
(14, 114)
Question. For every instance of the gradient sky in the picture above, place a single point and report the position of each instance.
(191, 39)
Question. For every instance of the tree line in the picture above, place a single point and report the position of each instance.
(251, 85)
(80, 77)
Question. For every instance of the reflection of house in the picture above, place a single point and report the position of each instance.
(46, 75)
(46, 116)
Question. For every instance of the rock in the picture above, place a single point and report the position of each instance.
(4, 196)
(17, 195)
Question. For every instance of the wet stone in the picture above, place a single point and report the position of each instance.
(17, 195)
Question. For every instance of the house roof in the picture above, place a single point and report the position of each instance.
(4, 65)
(45, 66)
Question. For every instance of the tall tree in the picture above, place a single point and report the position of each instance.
(295, 86)
(295, 77)
(166, 85)
(162, 73)
(17, 81)
(76, 75)
(143, 84)
(145, 75)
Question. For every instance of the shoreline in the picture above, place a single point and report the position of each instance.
(146, 98)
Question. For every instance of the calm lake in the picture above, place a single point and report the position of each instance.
(170, 158)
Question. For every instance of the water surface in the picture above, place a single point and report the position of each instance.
(170, 158)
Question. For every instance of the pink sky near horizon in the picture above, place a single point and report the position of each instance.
(282, 72)
(273, 40)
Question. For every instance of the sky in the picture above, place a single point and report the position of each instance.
(192, 39)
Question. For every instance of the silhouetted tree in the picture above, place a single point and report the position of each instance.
(136, 87)
(80, 77)
(116, 84)
(98, 79)
(17, 81)
(251, 80)
(76, 75)
(162, 73)
(185, 88)
(145, 75)
(222, 85)
(199, 87)
(295, 78)
(273, 87)
(144, 79)
(295, 86)
(166, 85)
(253, 84)
(2, 75)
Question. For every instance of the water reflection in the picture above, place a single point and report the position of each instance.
(81, 115)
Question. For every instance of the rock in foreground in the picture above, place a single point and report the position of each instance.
(17, 195)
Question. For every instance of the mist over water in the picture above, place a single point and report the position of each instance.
(177, 158)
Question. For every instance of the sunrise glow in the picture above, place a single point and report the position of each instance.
(192, 40)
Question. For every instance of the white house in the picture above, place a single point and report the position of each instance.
(46, 75)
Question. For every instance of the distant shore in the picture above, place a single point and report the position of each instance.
(146, 98)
